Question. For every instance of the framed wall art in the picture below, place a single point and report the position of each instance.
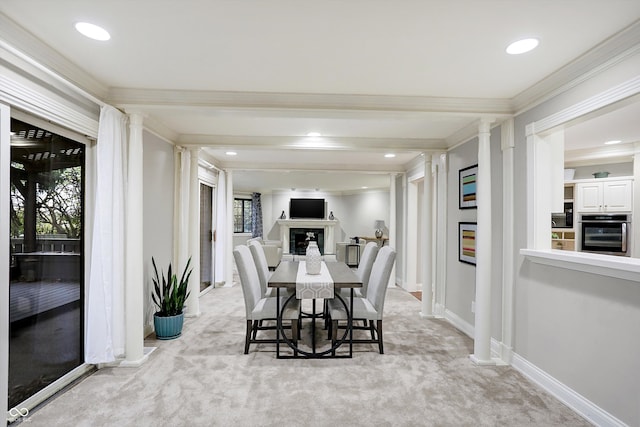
(467, 187)
(467, 242)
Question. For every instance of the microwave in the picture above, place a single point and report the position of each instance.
(563, 219)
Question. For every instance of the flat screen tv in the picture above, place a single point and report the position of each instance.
(306, 209)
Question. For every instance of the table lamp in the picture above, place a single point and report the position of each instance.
(379, 226)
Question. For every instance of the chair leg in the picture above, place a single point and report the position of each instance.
(371, 329)
(294, 331)
(255, 329)
(247, 339)
(380, 336)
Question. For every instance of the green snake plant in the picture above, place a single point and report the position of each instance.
(169, 295)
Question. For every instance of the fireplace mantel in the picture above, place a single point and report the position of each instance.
(329, 226)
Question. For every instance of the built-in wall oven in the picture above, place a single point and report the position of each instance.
(605, 233)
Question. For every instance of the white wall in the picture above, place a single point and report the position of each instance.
(158, 199)
(581, 329)
(460, 288)
(356, 212)
(614, 169)
(461, 277)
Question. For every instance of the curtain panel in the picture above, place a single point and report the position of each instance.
(256, 215)
(105, 325)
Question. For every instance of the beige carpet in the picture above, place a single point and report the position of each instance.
(425, 378)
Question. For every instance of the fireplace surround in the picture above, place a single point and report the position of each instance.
(328, 227)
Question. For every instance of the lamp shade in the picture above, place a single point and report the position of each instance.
(379, 224)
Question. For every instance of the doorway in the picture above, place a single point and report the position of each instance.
(206, 236)
(46, 274)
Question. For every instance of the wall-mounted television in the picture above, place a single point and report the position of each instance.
(306, 209)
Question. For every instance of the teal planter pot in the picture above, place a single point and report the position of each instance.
(169, 327)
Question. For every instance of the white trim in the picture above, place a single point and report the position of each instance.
(5, 163)
(36, 102)
(508, 275)
(604, 99)
(607, 54)
(459, 323)
(605, 265)
(581, 405)
(47, 392)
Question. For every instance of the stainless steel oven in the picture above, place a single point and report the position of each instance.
(606, 234)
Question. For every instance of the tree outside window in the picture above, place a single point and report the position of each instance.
(242, 215)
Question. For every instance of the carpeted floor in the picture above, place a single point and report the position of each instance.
(425, 378)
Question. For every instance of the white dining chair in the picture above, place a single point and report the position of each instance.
(364, 268)
(370, 307)
(257, 306)
(260, 259)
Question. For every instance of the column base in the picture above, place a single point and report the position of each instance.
(137, 363)
(482, 362)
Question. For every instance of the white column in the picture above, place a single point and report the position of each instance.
(229, 230)
(411, 239)
(392, 223)
(427, 239)
(134, 275)
(440, 243)
(635, 230)
(508, 144)
(181, 208)
(482, 336)
(193, 302)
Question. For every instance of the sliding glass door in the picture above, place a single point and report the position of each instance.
(46, 275)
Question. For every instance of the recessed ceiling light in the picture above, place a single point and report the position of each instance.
(93, 31)
(231, 153)
(522, 46)
(389, 155)
(314, 134)
(612, 142)
(364, 188)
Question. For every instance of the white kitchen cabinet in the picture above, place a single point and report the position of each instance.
(604, 196)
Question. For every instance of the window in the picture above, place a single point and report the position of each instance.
(242, 215)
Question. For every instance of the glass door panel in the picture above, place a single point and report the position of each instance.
(46, 283)
(206, 236)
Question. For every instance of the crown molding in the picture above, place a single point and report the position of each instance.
(13, 35)
(605, 55)
(309, 167)
(157, 97)
(303, 143)
(622, 153)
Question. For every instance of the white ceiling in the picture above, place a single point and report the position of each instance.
(372, 76)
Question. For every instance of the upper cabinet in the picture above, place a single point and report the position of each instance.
(605, 196)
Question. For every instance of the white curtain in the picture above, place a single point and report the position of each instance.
(105, 318)
(221, 226)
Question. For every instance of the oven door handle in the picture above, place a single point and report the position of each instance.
(624, 238)
(590, 221)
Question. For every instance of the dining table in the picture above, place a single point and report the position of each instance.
(290, 279)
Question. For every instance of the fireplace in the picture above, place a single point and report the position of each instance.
(299, 239)
(326, 244)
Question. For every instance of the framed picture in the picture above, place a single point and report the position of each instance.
(467, 179)
(467, 242)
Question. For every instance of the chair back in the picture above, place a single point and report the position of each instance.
(366, 262)
(379, 279)
(249, 279)
(260, 259)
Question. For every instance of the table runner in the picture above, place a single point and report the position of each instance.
(311, 286)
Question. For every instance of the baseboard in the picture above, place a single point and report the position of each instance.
(584, 407)
(459, 323)
(501, 353)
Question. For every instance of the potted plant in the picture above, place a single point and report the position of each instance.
(169, 296)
